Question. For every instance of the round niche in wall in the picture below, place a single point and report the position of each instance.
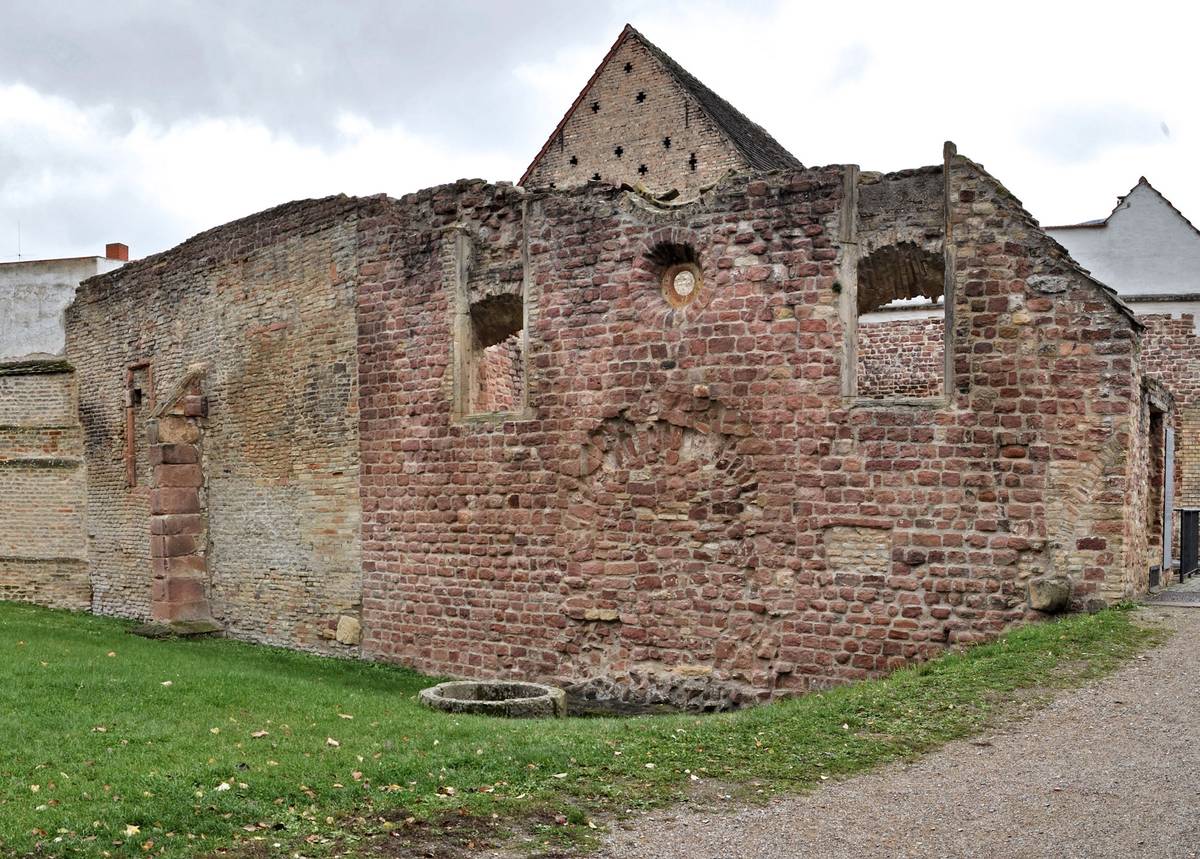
(681, 283)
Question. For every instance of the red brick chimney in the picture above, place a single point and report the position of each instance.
(117, 251)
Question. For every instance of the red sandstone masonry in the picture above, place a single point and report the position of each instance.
(178, 534)
(1172, 356)
(688, 506)
(691, 502)
(901, 358)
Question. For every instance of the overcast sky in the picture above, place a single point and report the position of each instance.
(146, 121)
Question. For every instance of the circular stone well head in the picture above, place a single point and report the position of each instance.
(497, 698)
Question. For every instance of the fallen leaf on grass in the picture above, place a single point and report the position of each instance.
(345, 716)
(330, 741)
(131, 830)
(258, 735)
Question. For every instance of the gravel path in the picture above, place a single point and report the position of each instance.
(1112, 769)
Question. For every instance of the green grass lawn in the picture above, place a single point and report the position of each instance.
(116, 745)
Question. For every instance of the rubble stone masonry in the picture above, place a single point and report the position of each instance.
(901, 357)
(677, 492)
(1172, 355)
(690, 505)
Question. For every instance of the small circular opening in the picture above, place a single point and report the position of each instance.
(681, 283)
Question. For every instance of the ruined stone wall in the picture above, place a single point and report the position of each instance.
(267, 304)
(1045, 364)
(898, 253)
(42, 550)
(905, 207)
(690, 508)
(901, 358)
(664, 131)
(1172, 355)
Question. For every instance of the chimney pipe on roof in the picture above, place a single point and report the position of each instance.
(117, 251)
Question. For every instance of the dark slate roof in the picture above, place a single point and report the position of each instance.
(760, 149)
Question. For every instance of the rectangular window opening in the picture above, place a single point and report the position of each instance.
(900, 324)
(492, 357)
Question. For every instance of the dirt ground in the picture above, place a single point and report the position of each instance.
(1109, 769)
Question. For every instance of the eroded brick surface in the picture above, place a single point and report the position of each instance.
(689, 503)
(691, 500)
(42, 550)
(901, 358)
(268, 305)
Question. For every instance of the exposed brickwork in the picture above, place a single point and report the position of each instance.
(690, 502)
(1045, 361)
(54, 582)
(500, 377)
(37, 399)
(901, 358)
(268, 304)
(42, 547)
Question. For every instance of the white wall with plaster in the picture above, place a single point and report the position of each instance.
(33, 296)
(1145, 247)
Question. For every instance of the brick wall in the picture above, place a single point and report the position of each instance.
(267, 303)
(640, 128)
(42, 546)
(1172, 355)
(500, 377)
(901, 358)
(1046, 362)
(690, 508)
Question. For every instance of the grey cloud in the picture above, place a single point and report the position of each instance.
(438, 67)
